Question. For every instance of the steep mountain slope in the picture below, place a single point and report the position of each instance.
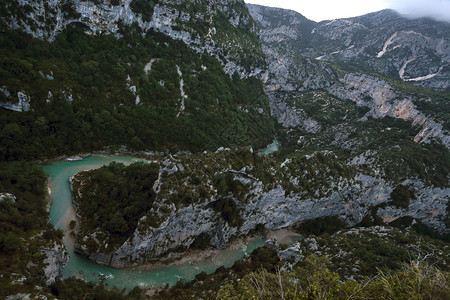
(210, 198)
(284, 43)
(416, 51)
(399, 130)
(357, 147)
(221, 28)
(137, 86)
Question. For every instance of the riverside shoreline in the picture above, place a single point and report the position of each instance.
(154, 273)
(193, 256)
(122, 151)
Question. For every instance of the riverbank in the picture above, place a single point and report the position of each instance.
(283, 236)
(121, 151)
(194, 256)
(69, 216)
(179, 266)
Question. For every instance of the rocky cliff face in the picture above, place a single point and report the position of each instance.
(290, 41)
(282, 34)
(383, 100)
(262, 193)
(416, 51)
(55, 259)
(222, 28)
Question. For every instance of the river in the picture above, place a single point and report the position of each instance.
(270, 148)
(60, 213)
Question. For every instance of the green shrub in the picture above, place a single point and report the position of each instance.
(320, 225)
(401, 196)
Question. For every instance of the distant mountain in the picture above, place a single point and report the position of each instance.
(290, 42)
(416, 51)
(359, 109)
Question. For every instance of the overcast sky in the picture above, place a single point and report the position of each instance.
(319, 10)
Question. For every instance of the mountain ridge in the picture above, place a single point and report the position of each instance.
(359, 144)
(292, 69)
(367, 40)
(166, 16)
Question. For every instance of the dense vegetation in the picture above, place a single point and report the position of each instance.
(362, 263)
(315, 281)
(320, 225)
(360, 252)
(112, 199)
(23, 236)
(74, 289)
(144, 8)
(88, 102)
(387, 143)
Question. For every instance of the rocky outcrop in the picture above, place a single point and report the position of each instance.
(22, 104)
(55, 259)
(181, 20)
(20, 296)
(383, 100)
(276, 203)
(414, 50)
(7, 198)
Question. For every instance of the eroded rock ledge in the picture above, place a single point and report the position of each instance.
(253, 190)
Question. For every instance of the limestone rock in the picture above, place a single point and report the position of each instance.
(171, 17)
(267, 203)
(55, 259)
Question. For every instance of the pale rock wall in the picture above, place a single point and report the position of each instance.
(22, 104)
(55, 259)
(105, 18)
(383, 100)
(349, 199)
(429, 203)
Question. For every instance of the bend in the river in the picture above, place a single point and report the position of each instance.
(61, 212)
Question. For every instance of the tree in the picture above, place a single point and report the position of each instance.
(117, 224)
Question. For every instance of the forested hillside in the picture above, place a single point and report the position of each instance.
(357, 111)
(88, 92)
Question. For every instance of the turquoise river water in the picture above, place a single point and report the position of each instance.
(270, 148)
(59, 173)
